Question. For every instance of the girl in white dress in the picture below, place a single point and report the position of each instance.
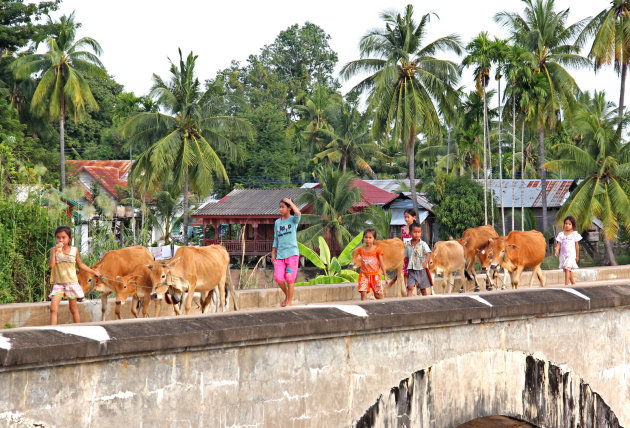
(567, 244)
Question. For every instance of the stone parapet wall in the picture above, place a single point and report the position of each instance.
(322, 366)
(35, 314)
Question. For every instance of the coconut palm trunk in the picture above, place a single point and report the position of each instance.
(543, 175)
(622, 92)
(411, 149)
(185, 222)
(523, 175)
(513, 155)
(62, 142)
(485, 160)
(501, 162)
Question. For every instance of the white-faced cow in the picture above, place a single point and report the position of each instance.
(201, 269)
(516, 252)
(447, 258)
(114, 263)
(474, 240)
(137, 284)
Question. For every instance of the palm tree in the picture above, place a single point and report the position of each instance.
(500, 55)
(605, 163)
(481, 54)
(63, 88)
(611, 44)
(408, 85)
(543, 32)
(332, 216)
(184, 143)
(349, 139)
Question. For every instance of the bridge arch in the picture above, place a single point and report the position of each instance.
(485, 384)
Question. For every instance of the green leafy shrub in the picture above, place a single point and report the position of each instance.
(333, 267)
(26, 236)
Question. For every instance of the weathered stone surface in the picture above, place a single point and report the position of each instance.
(448, 394)
(324, 366)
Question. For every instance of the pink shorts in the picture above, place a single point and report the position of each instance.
(285, 269)
(71, 290)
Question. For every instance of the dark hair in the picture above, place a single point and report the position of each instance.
(287, 205)
(64, 229)
(411, 212)
(370, 230)
(572, 220)
(413, 225)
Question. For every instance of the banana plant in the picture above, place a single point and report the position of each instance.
(333, 267)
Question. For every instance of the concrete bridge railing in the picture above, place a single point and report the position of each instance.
(550, 357)
(35, 314)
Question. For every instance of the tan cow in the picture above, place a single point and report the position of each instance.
(516, 252)
(114, 263)
(192, 269)
(393, 254)
(137, 284)
(474, 240)
(447, 258)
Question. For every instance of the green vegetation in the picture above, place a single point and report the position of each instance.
(333, 267)
(279, 119)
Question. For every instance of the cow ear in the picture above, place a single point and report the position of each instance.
(118, 277)
(513, 246)
(490, 240)
(174, 262)
(150, 267)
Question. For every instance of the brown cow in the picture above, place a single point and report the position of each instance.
(137, 284)
(474, 240)
(393, 252)
(193, 269)
(515, 252)
(114, 263)
(446, 258)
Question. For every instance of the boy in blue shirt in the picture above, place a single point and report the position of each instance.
(416, 252)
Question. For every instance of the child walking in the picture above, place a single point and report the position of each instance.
(371, 266)
(63, 263)
(285, 254)
(567, 243)
(410, 218)
(416, 252)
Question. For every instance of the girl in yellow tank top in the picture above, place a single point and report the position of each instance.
(64, 260)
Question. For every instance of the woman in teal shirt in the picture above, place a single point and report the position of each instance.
(285, 253)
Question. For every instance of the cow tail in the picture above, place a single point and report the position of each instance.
(231, 288)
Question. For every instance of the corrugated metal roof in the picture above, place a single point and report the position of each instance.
(372, 195)
(390, 185)
(250, 202)
(557, 192)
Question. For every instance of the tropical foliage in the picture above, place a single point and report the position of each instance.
(333, 267)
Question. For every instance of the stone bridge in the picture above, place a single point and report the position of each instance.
(554, 357)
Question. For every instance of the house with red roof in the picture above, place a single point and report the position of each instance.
(107, 175)
(257, 210)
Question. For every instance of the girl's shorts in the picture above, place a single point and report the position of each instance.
(285, 269)
(70, 291)
(371, 282)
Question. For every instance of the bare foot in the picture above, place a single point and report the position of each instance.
(288, 303)
(283, 304)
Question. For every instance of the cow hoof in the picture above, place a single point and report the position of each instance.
(503, 288)
(489, 288)
(461, 290)
(477, 290)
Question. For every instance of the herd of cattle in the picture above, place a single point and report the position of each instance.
(132, 271)
(514, 253)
